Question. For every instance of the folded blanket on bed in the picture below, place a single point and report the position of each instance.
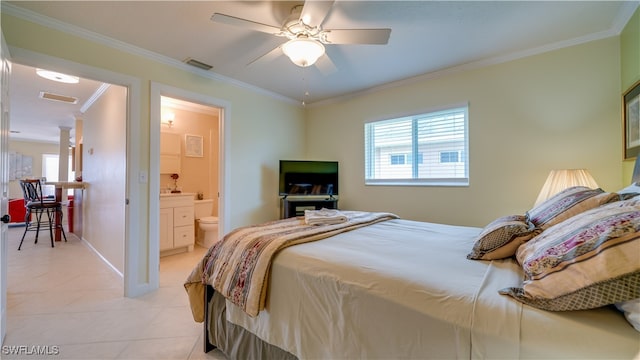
(238, 265)
(324, 216)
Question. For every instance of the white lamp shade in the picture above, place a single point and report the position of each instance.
(559, 180)
(302, 51)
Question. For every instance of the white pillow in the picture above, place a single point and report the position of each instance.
(633, 188)
(631, 310)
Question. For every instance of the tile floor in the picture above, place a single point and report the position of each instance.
(70, 303)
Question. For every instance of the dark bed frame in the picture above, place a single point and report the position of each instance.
(208, 295)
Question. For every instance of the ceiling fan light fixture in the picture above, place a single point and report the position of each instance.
(303, 51)
(56, 76)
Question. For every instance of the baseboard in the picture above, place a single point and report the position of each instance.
(102, 257)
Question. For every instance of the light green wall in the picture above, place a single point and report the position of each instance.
(630, 68)
(630, 52)
(560, 109)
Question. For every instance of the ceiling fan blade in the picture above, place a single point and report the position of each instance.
(272, 54)
(315, 11)
(358, 36)
(325, 65)
(247, 24)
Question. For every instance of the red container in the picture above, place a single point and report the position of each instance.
(70, 213)
(17, 211)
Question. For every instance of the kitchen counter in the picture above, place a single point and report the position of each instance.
(193, 195)
(60, 185)
(67, 184)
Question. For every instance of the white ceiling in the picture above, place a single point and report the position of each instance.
(427, 37)
(33, 118)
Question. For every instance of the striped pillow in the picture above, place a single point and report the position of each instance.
(502, 237)
(588, 261)
(568, 203)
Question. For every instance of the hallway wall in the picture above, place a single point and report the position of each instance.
(104, 170)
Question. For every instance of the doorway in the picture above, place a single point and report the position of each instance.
(96, 118)
(189, 152)
(133, 286)
(183, 104)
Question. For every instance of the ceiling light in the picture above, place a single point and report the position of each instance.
(168, 118)
(56, 76)
(303, 51)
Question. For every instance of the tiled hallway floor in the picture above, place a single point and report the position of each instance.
(68, 301)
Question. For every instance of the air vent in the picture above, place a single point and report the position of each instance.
(58, 97)
(198, 64)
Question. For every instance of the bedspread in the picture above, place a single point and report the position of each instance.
(402, 289)
(238, 265)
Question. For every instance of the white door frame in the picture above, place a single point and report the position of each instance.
(5, 69)
(133, 285)
(157, 91)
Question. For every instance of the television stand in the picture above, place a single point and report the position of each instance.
(296, 206)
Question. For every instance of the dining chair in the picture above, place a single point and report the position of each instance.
(37, 205)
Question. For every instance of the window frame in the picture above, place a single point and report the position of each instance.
(463, 153)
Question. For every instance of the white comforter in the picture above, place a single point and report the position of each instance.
(404, 289)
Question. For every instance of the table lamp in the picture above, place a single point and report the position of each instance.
(559, 180)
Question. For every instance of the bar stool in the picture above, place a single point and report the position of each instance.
(36, 204)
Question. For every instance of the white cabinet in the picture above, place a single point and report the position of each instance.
(170, 153)
(176, 222)
(166, 228)
(169, 164)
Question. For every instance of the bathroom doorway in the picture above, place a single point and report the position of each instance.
(189, 151)
(188, 131)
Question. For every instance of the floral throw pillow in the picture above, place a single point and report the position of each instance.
(568, 203)
(501, 238)
(588, 261)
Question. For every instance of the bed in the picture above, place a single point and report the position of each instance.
(396, 288)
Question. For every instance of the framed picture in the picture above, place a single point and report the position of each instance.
(631, 109)
(193, 146)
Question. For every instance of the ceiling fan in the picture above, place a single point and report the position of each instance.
(305, 34)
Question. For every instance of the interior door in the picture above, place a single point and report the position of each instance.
(5, 72)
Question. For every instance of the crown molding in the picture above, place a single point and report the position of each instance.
(620, 22)
(96, 95)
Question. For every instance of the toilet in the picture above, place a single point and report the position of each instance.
(206, 223)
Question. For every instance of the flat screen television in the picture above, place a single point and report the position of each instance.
(305, 177)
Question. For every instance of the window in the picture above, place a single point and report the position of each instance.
(397, 159)
(50, 172)
(449, 156)
(425, 149)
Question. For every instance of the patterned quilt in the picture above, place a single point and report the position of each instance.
(238, 265)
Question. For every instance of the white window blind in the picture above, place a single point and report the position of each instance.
(425, 149)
